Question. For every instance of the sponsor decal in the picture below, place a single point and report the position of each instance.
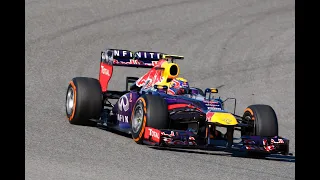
(226, 120)
(134, 57)
(122, 53)
(133, 61)
(111, 57)
(105, 71)
(151, 78)
(123, 118)
(214, 108)
(213, 105)
(169, 135)
(152, 133)
(147, 55)
(169, 140)
(280, 141)
(123, 103)
(209, 115)
(105, 75)
(269, 148)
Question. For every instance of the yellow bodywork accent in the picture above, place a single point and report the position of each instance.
(214, 90)
(181, 79)
(223, 118)
(165, 68)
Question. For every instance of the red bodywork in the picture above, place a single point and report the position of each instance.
(153, 76)
(105, 75)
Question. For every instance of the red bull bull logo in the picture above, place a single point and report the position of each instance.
(151, 78)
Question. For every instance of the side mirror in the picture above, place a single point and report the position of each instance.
(208, 93)
(214, 90)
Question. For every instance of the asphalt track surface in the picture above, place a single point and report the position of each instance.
(245, 46)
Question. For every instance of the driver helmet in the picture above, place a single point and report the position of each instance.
(178, 86)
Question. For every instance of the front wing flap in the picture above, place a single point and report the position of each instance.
(275, 144)
(189, 139)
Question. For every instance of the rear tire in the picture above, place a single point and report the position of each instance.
(154, 114)
(83, 100)
(263, 119)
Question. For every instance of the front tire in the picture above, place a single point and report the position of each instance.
(263, 120)
(148, 111)
(83, 100)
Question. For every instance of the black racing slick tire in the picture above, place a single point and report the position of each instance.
(263, 121)
(153, 112)
(83, 100)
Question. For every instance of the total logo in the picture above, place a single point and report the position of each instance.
(123, 103)
(105, 71)
(154, 133)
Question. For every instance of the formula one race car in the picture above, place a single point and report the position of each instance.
(160, 109)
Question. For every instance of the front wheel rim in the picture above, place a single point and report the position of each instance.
(137, 118)
(70, 101)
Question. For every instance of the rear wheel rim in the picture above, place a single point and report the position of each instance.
(70, 101)
(138, 116)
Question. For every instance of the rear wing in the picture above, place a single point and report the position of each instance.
(141, 59)
(119, 57)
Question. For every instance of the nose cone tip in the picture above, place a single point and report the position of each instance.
(222, 118)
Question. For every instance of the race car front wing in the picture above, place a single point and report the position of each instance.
(257, 145)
